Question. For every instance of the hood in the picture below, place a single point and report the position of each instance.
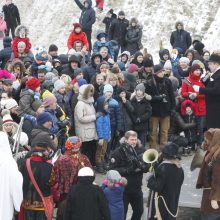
(122, 141)
(100, 104)
(19, 28)
(138, 53)
(89, 2)
(84, 95)
(185, 104)
(100, 32)
(93, 57)
(179, 22)
(7, 42)
(74, 58)
(162, 52)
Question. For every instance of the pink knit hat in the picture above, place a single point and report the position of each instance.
(132, 68)
(49, 100)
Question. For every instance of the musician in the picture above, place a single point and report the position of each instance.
(166, 181)
(127, 160)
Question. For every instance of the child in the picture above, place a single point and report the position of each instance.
(187, 111)
(77, 35)
(103, 129)
(113, 188)
(21, 33)
(101, 42)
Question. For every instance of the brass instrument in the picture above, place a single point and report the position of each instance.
(150, 156)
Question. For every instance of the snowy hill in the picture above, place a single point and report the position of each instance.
(50, 21)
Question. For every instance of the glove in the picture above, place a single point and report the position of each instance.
(138, 120)
(196, 88)
(36, 96)
(100, 142)
(214, 204)
(192, 95)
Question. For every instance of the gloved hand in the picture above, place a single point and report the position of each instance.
(36, 96)
(100, 142)
(214, 204)
(138, 120)
(196, 88)
(192, 95)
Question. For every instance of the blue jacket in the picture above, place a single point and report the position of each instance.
(54, 129)
(103, 126)
(114, 197)
(98, 45)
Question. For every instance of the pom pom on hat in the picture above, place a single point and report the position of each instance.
(59, 84)
(43, 118)
(108, 88)
(33, 83)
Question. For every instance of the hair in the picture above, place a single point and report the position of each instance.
(42, 71)
(111, 76)
(115, 69)
(130, 134)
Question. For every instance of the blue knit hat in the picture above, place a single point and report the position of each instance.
(44, 117)
(42, 56)
(107, 88)
(82, 82)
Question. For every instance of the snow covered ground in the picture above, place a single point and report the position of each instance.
(50, 21)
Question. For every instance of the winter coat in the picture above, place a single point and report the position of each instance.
(85, 115)
(167, 181)
(5, 53)
(55, 128)
(12, 16)
(43, 134)
(118, 30)
(3, 28)
(25, 103)
(114, 197)
(15, 42)
(181, 39)
(127, 110)
(212, 97)
(64, 102)
(200, 104)
(131, 167)
(87, 17)
(107, 21)
(86, 196)
(77, 37)
(130, 81)
(161, 107)
(98, 45)
(103, 126)
(142, 112)
(133, 39)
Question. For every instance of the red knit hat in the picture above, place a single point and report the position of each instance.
(132, 68)
(76, 25)
(196, 67)
(33, 83)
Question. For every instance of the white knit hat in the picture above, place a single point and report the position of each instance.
(167, 65)
(59, 84)
(11, 103)
(7, 118)
(184, 60)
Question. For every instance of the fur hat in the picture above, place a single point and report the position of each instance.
(170, 151)
(85, 171)
(167, 65)
(49, 100)
(11, 103)
(121, 13)
(18, 30)
(113, 175)
(132, 68)
(73, 144)
(200, 63)
(107, 88)
(44, 117)
(140, 87)
(214, 58)
(33, 83)
(184, 60)
(59, 84)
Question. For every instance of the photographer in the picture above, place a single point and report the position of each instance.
(163, 104)
(127, 161)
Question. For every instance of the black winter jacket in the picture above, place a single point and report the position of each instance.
(118, 30)
(87, 17)
(12, 16)
(5, 54)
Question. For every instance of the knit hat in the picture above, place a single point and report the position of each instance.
(21, 44)
(184, 60)
(140, 87)
(214, 58)
(170, 151)
(33, 83)
(108, 88)
(158, 68)
(53, 47)
(49, 76)
(132, 68)
(77, 25)
(66, 79)
(85, 171)
(42, 56)
(44, 117)
(6, 117)
(77, 71)
(11, 103)
(59, 84)
(195, 67)
(36, 105)
(167, 65)
(82, 82)
(148, 63)
(201, 64)
(73, 143)
(49, 100)
(121, 13)
(113, 175)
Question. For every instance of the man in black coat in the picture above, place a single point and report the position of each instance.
(87, 18)
(110, 16)
(212, 93)
(5, 54)
(12, 17)
(117, 32)
(180, 38)
(128, 162)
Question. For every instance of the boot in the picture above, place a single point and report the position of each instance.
(185, 151)
(99, 169)
(189, 151)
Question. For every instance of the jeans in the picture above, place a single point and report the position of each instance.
(142, 135)
(211, 216)
(199, 128)
(136, 201)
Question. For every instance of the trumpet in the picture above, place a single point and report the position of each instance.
(150, 156)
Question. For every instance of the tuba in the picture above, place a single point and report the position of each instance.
(150, 156)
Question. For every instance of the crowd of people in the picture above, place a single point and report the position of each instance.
(97, 109)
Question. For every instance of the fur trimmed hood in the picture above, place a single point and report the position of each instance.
(19, 28)
(122, 141)
(84, 93)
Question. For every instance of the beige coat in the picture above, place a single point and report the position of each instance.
(85, 115)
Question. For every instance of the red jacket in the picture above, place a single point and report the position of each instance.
(15, 42)
(77, 37)
(200, 104)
